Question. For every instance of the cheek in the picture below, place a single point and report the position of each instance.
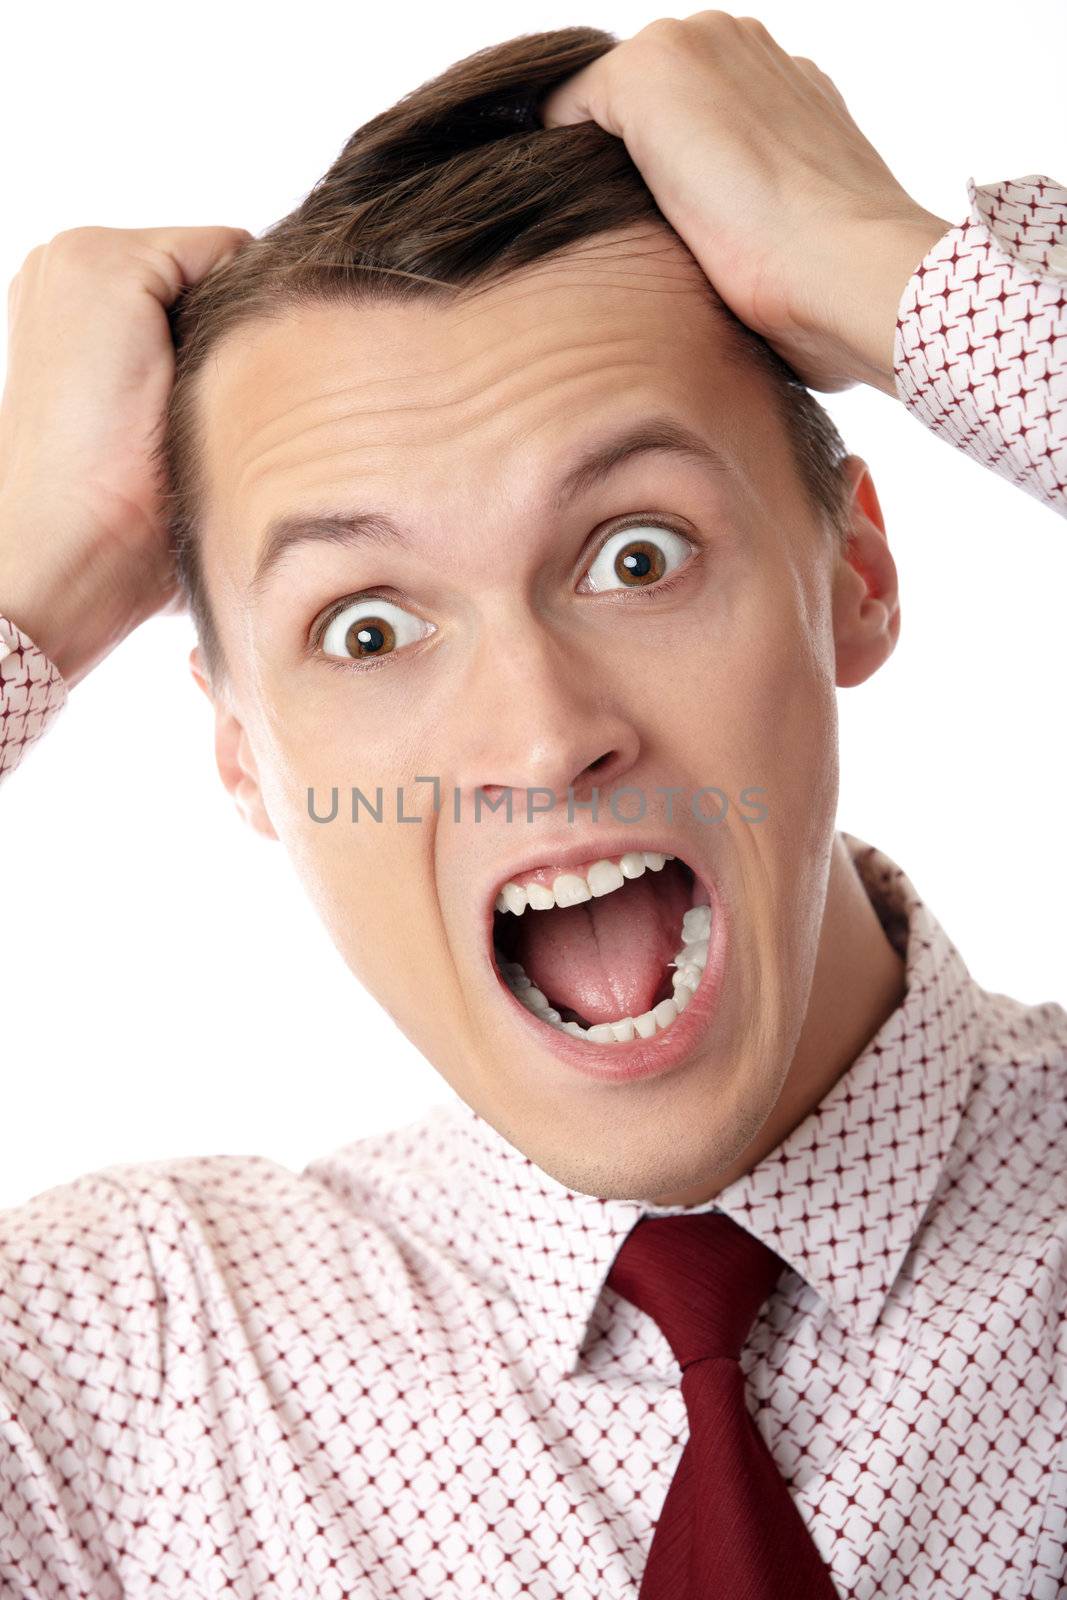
(763, 703)
(372, 886)
(321, 746)
(370, 877)
(333, 803)
(750, 695)
(376, 730)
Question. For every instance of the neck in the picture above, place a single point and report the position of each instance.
(859, 981)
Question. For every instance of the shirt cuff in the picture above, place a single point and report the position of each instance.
(980, 353)
(32, 693)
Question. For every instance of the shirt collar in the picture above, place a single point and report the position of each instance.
(840, 1199)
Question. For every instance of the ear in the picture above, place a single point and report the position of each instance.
(866, 606)
(233, 754)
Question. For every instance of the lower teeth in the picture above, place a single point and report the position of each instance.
(689, 963)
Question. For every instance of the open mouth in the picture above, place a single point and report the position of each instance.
(607, 952)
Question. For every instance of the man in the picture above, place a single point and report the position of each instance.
(488, 498)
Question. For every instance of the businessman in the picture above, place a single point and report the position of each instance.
(493, 480)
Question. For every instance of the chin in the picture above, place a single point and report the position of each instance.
(672, 1144)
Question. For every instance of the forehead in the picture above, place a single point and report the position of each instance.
(429, 402)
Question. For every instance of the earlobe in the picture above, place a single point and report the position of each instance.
(199, 672)
(233, 755)
(866, 602)
(232, 745)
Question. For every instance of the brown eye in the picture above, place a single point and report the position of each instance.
(639, 563)
(372, 627)
(372, 636)
(637, 558)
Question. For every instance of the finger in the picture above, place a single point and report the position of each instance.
(561, 109)
(163, 259)
(568, 103)
(585, 97)
(189, 254)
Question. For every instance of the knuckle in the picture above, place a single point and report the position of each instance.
(34, 255)
(718, 21)
(663, 42)
(76, 241)
(676, 36)
(664, 30)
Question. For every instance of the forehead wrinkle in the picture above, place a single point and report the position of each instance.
(520, 368)
(654, 432)
(484, 401)
(519, 355)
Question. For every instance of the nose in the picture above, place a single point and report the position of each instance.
(542, 716)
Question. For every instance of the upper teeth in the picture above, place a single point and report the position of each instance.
(571, 888)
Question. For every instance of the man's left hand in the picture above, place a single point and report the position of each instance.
(753, 158)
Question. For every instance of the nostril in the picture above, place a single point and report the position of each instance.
(493, 792)
(598, 773)
(594, 778)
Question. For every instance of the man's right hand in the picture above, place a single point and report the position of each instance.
(84, 555)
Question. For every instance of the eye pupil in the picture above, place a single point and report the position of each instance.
(641, 562)
(370, 636)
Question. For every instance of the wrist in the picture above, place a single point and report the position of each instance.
(884, 257)
(66, 601)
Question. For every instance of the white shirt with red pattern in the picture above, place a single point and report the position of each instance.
(399, 1374)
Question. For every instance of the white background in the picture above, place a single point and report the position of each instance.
(165, 989)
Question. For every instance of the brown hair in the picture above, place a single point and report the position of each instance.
(458, 184)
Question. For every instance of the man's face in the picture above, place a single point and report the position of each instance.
(660, 624)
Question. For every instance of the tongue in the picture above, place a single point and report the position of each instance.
(607, 958)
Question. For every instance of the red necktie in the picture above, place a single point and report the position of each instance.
(729, 1529)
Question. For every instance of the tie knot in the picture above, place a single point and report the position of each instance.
(702, 1278)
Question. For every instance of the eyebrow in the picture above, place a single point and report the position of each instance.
(657, 434)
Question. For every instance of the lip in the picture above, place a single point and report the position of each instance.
(640, 1058)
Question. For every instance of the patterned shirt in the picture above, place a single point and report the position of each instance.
(400, 1372)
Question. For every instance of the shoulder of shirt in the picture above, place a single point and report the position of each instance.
(137, 1194)
(158, 1197)
(1008, 1161)
(1025, 1039)
(117, 1220)
(1020, 1066)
